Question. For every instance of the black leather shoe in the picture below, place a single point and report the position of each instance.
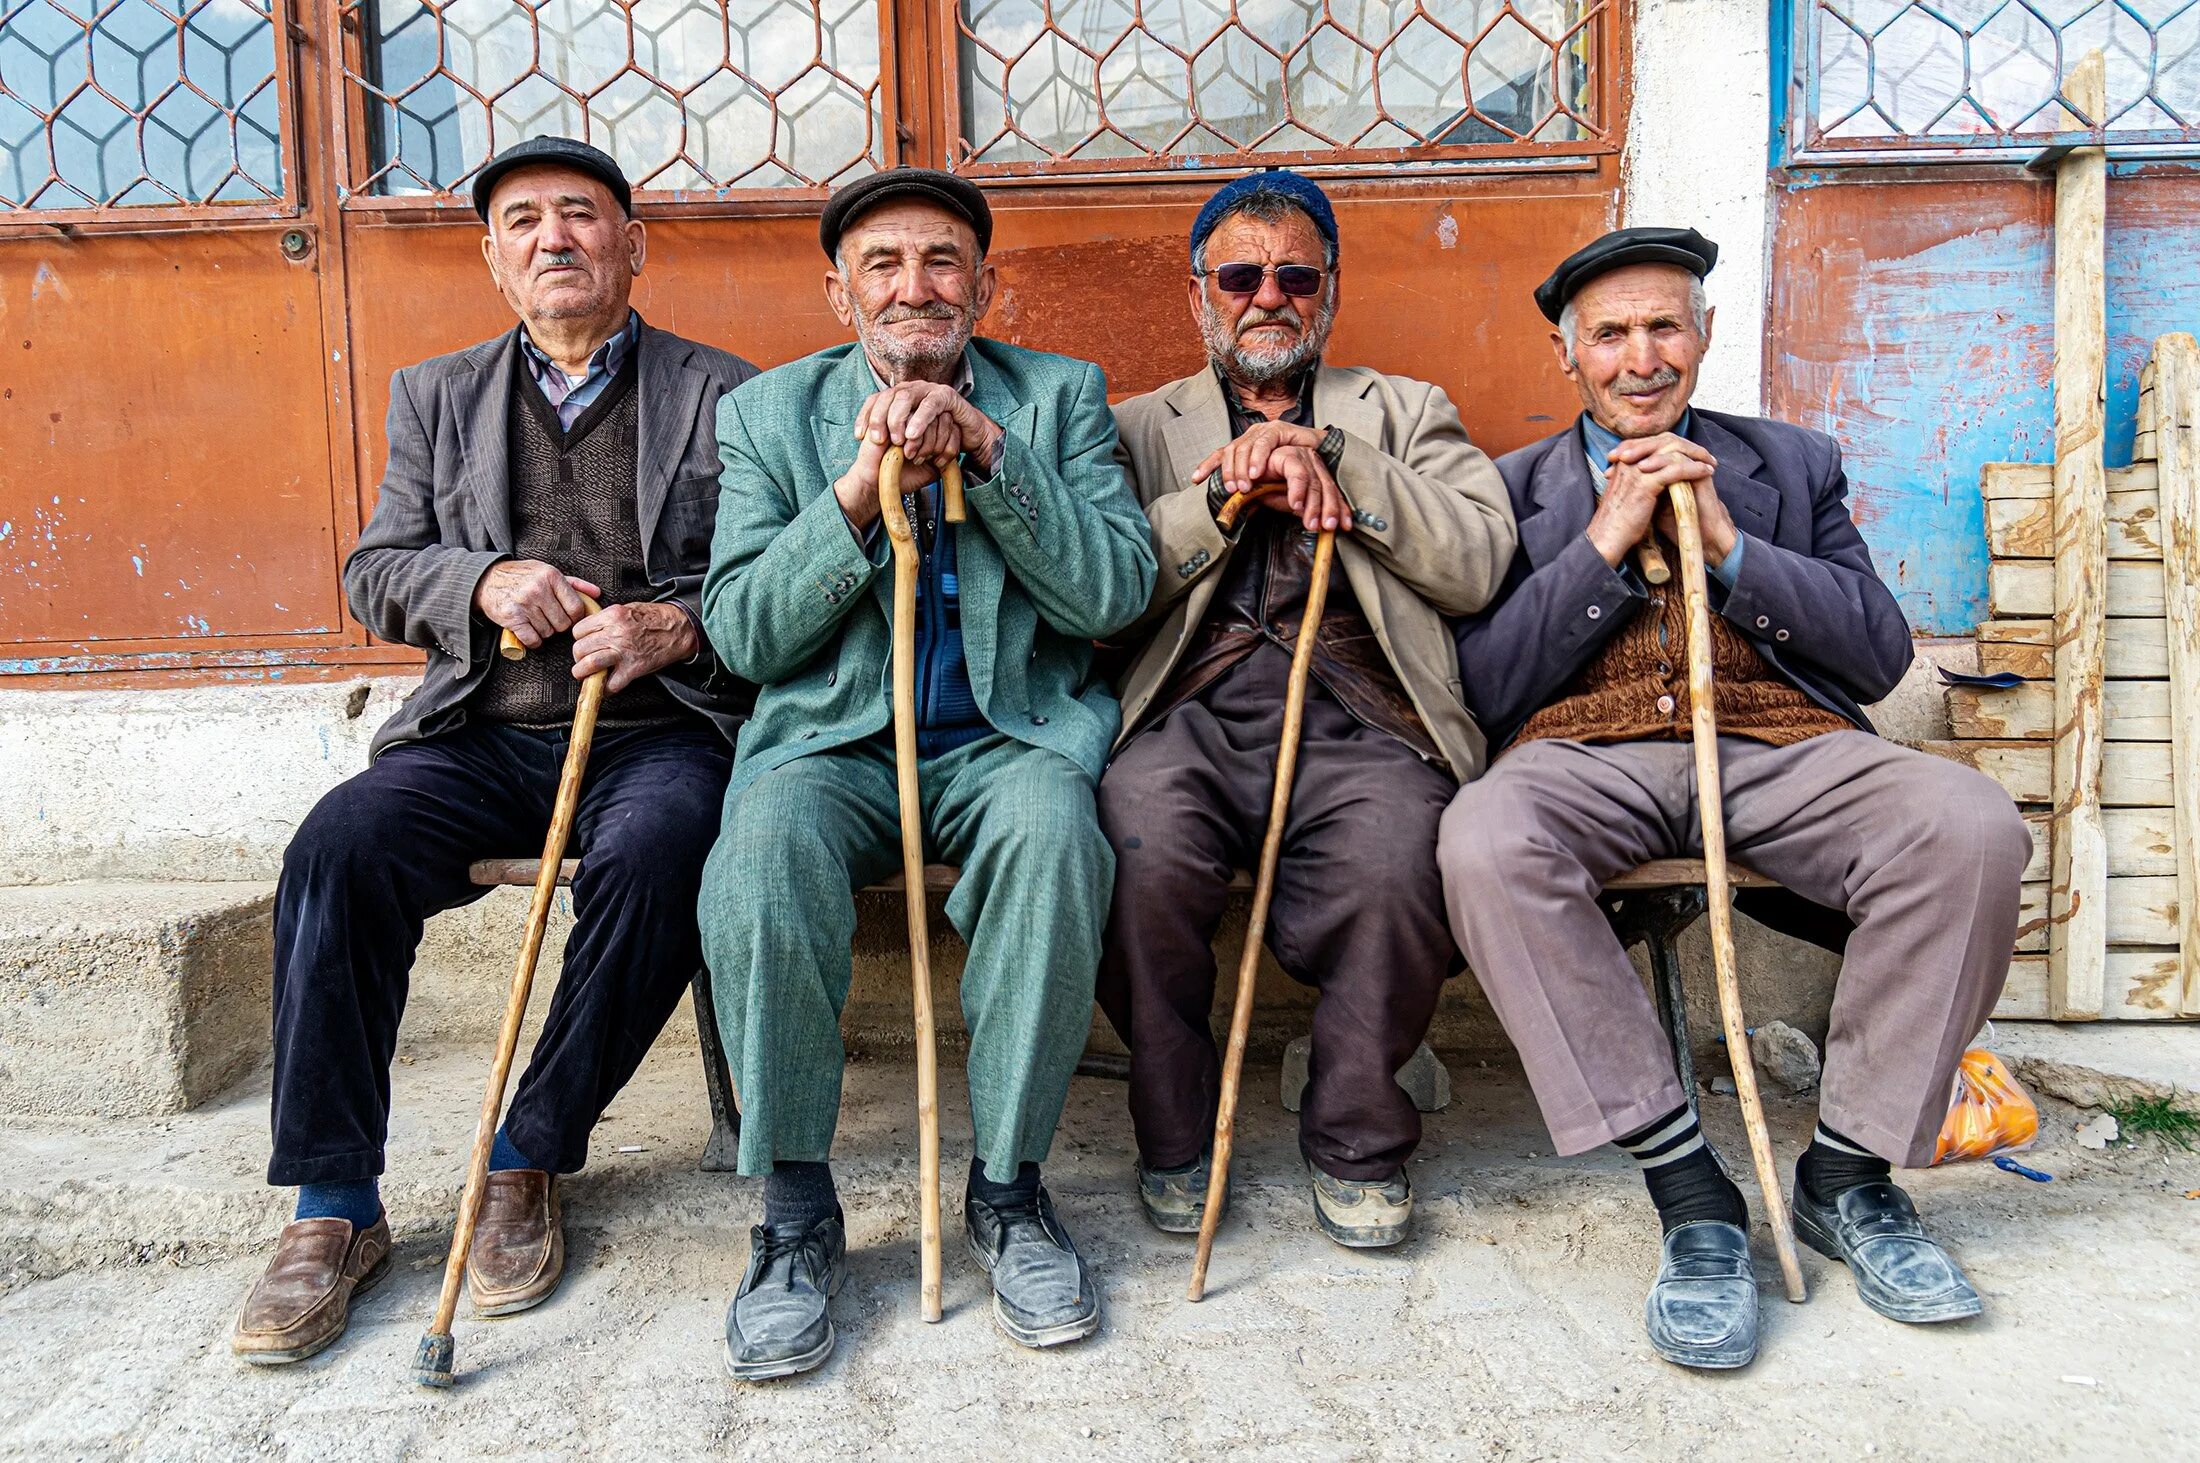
(1702, 1312)
(1900, 1272)
(1041, 1293)
(778, 1324)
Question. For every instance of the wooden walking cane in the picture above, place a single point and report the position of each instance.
(1264, 882)
(1704, 733)
(432, 1365)
(912, 850)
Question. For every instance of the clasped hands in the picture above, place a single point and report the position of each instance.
(1271, 450)
(534, 601)
(932, 424)
(1635, 497)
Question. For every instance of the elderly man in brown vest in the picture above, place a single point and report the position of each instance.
(1579, 670)
(1423, 531)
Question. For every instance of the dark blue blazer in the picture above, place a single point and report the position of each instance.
(1806, 596)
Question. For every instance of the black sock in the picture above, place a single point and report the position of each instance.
(798, 1196)
(1686, 1182)
(1021, 1189)
(1832, 1165)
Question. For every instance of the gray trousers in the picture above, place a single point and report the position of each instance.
(1923, 854)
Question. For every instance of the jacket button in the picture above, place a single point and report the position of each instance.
(1763, 620)
(1780, 635)
(1038, 721)
(1596, 612)
(831, 677)
(1665, 705)
(806, 736)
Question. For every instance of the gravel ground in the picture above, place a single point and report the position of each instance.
(1508, 1327)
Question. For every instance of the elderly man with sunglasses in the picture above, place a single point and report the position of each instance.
(1424, 531)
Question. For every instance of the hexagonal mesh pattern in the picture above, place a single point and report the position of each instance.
(1973, 74)
(686, 94)
(1093, 85)
(138, 103)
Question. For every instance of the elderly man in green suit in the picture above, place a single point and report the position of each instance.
(1013, 729)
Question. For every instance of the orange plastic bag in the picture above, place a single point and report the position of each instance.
(1990, 1114)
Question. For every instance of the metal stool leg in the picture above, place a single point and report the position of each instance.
(721, 1154)
(1665, 976)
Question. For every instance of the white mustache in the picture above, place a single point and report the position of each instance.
(1656, 381)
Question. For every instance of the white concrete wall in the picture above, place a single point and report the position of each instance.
(1697, 157)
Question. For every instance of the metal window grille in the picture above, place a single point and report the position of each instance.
(1080, 86)
(704, 96)
(1970, 77)
(139, 103)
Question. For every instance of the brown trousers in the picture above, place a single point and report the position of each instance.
(1358, 912)
(1923, 854)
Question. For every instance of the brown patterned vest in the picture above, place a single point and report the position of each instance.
(1636, 689)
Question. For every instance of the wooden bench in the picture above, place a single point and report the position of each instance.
(1649, 906)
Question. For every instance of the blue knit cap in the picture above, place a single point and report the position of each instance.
(1301, 190)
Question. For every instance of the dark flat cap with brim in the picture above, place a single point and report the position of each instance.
(1684, 247)
(957, 195)
(564, 152)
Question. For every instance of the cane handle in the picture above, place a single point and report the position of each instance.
(1234, 506)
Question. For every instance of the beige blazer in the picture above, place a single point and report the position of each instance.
(1432, 531)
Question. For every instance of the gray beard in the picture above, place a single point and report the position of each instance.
(1259, 367)
(902, 358)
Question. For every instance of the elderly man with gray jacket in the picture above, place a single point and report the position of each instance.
(575, 455)
(1423, 530)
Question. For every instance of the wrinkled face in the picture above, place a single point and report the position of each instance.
(560, 247)
(1267, 335)
(910, 282)
(1636, 351)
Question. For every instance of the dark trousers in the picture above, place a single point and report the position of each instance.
(386, 849)
(1358, 912)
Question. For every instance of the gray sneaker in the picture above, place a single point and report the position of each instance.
(1175, 1199)
(1363, 1214)
(778, 1324)
(1041, 1293)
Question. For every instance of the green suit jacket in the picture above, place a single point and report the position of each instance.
(1056, 554)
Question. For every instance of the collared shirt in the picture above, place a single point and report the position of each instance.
(1597, 444)
(568, 397)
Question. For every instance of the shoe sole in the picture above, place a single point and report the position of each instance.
(790, 1366)
(1811, 1233)
(1038, 1338)
(1704, 1360)
(374, 1276)
(1381, 1237)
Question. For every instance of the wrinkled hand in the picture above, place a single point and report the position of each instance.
(631, 641)
(1271, 450)
(931, 424)
(1635, 497)
(531, 599)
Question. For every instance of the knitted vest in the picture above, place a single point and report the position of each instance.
(573, 506)
(1636, 688)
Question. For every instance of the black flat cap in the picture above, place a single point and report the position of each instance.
(954, 194)
(1685, 247)
(566, 152)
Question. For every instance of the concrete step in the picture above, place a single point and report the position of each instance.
(130, 999)
(2101, 1064)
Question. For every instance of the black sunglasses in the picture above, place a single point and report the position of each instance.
(1298, 280)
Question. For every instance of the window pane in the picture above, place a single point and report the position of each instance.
(699, 94)
(1968, 73)
(135, 103)
(1079, 80)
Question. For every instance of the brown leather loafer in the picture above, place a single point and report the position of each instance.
(303, 1299)
(519, 1244)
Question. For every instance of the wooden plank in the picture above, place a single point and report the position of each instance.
(2137, 985)
(2025, 588)
(2136, 649)
(2139, 844)
(2177, 424)
(2144, 448)
(2000, 480)
(2133, 774)
(2141, 912)
(2137, 711)
(2024, 528)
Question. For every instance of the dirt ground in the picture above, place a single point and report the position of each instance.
(1508, 1327)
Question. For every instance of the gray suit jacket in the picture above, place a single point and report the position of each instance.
(444, 516)
(1807, 596)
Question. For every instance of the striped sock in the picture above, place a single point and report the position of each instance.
(1832, 1165)
(1683, 1174)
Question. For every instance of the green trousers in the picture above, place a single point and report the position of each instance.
(778, 917)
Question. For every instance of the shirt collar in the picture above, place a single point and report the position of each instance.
(1597, 443)
(604, 361)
